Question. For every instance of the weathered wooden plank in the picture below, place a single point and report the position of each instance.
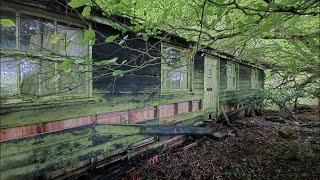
(166, 110)
(183, 107)
(121, 103)
(63, 160)
(166, 130)
(141, 115)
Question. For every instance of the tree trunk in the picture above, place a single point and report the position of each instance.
(295, 104)
(319, 104)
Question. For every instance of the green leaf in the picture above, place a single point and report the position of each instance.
(86, 11)
(78, 61)
(74, 75)
(111, 38)
(55, 78)
(78, 3)
(66, 65)
(56, 38)
(81, 68)
(88, 60)
(112, 61)
(145, 37)
(122, 41)
(126, 37)
(89, 37)
(118, 73)
(64, 46)
(7, 23)
(270, 22)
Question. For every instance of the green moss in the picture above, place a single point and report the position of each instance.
(180, 118)
(26, 157)
(70, 159)
(124, 102)
(11, 148)
(117, 130)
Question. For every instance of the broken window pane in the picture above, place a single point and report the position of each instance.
(29, 34)
(47, 30)
(72, 82)
(232, 78)
(174, 70)
(48, 77)
(175, 80)
(9, 77)
(70, 45)
(172, 53)
(29, 77)
(36, 34)
(8, 34)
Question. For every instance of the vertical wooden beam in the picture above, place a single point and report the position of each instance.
(190, 74)
(175, 109)
(19, 75)
(190, 106)
(156, 111)
(89, 74)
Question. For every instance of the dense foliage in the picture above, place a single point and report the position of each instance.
(281, 35)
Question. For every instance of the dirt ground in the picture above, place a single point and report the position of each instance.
(253, 150)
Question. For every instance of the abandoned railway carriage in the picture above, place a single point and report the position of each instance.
(60, 112)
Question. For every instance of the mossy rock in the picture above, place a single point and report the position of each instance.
(286, 132)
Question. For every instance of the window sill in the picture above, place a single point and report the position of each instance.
(168, 92)
(229, 90)
(32, 54)
(19, 104)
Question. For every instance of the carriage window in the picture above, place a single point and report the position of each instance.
(36, 34)
(8, 34)
(23, 76)
(70, 39)
(174, 69)
(29, 77)
(9, 78)
(74, 83)
(39, 34)
(254, 79)
(231, 77)
(48, 73)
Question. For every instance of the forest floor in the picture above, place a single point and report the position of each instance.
(253, 150)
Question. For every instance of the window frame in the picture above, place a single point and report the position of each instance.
(165, 69)
(235, 74)
(39, 56)
(254, 78)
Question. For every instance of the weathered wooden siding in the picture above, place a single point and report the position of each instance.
(30, 157)
(40, 140)
(133, 53)
(60, 147)
(238, 96)
(198, 74)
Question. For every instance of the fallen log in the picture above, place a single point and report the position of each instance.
(277, 119)
(311, 124)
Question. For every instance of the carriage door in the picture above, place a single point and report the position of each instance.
(211, 87)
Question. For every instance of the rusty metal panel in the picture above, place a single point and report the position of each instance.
(166, 110)
(139, 115)
(65, 124)
(183, 107)
(18, 132)
(121, 117)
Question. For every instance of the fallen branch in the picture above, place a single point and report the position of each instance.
(311, 124)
